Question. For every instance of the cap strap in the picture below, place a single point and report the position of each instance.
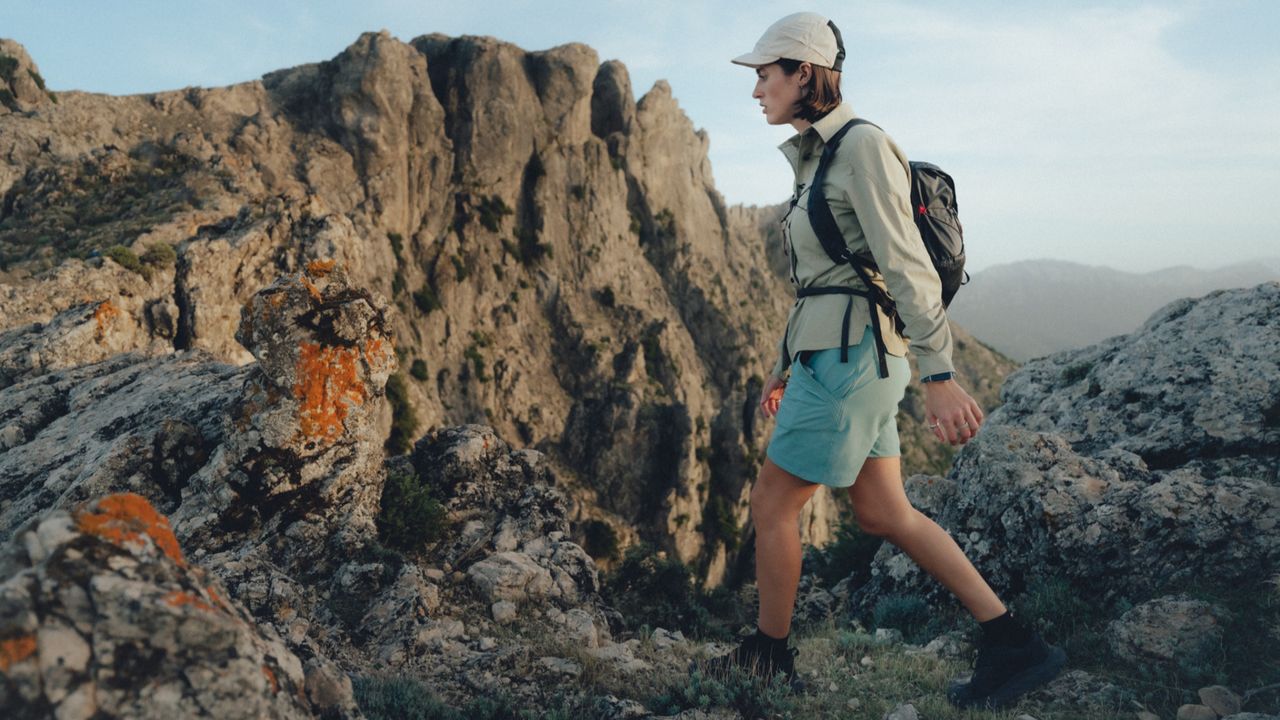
(839, 46)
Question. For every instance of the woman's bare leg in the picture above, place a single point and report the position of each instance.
(882, 508)
(776, 500)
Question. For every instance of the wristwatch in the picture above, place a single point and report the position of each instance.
(938, 377)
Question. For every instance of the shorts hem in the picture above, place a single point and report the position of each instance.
(812, 482)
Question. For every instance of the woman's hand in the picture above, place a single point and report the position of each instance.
(953, 416)
(772, 395)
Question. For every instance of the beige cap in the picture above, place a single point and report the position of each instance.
(804, 36)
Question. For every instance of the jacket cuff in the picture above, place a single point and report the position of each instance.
(934, 364)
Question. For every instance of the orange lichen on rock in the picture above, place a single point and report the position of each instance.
(312, 289)
(104, 312)
(271, 678)
(15, 650)
(376, 351)
(328, 383)
(125, 517)
(178, 598)
(320, 268)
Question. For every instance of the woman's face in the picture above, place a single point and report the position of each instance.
(778, 93)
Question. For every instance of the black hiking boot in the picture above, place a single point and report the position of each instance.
(1004, 673)
(755, 657)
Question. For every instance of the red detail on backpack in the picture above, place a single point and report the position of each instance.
(922, 210)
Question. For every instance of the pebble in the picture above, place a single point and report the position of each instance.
(866, 661)
(1196, 712)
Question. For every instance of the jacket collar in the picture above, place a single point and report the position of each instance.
(825, 127)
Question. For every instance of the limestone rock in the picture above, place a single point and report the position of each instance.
(1123, 468)
(105, 616)
(1166, 629)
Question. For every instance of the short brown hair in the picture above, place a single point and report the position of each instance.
(821, 93)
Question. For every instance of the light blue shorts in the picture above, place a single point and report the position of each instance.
(835, 415)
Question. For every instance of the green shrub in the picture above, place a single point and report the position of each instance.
(411, 518)
(426, 299)
(600, 539)
(850, 553)
(578, 192)
(125, 258)
(419, 370)
(160, 254)
(492, 210)
(8, 64)
(606, 297)
(719, 520)
(397, 245)
(404, 421)
(460, 268)
(908, 613)
(472, 353)
(661, 592)
(666, 222)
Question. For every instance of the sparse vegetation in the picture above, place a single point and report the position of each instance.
(655, 591)
(419, 370)
(411, 517)
(425, 299)
(850, 553)
(492, 209)
(404, 421)
(600, 539)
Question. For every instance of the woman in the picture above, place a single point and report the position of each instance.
(836, 423)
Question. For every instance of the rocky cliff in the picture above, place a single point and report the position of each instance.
(558, 263)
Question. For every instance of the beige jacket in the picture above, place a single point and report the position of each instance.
(869, 190)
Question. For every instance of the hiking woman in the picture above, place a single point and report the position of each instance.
(836, 415)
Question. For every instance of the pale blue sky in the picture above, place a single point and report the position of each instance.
(1136, 135)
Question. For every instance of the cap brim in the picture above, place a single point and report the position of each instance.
(754, 59)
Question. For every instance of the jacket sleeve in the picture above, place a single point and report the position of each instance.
(780, 367)
(875, 182)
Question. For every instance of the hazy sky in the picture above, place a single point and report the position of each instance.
(1131, 134)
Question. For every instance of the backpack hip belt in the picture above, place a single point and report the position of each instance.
(844, 330)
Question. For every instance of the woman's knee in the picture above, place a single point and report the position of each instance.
(884, 524)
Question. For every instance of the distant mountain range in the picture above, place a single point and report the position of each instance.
(1036, 307)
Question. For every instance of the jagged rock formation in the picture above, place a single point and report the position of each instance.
(1129, 468)
(273, 476)
(559, 263)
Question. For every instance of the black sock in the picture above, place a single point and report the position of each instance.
(771, 643)
(1005, 630)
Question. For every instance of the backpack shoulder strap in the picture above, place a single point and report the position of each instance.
(820, 217)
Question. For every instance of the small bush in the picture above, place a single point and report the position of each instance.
(460, 268)
(578, 192)
(397, 245)
(601, 541)
(492, 210)
(849, 554)
(8, 64)
(411, 518)
(606, 297)
(404, 421)
(419, 370)
(160, 254)
(908, 613)
(661, 592)
(426, 299)
(125, 258)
